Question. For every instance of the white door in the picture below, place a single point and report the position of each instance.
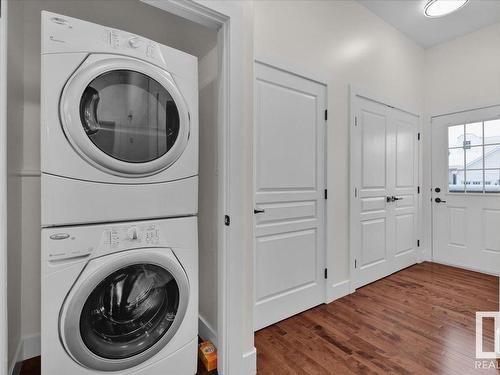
(290, 182)
(384, 181)
(466, 189)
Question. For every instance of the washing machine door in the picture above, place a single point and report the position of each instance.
(125, 309)
(124, 116)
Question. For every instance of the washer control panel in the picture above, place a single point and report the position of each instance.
(132, 236)
(64, 243)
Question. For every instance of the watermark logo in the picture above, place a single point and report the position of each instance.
(487, 360)
(480, 316)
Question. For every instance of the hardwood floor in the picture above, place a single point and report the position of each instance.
(420, 320)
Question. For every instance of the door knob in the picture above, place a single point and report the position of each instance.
(256, 211)
(439, 200)
(437, 190)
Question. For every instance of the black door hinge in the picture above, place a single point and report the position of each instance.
(355, 263)
(326, 273)
(418, 243)
(326, 114)
(326, 193)
(418, 189)
(227, 220)
(418, 136)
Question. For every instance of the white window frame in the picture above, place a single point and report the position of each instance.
(477, 118)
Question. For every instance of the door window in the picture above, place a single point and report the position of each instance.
(474, 157)
(129, 311)
(129, 116)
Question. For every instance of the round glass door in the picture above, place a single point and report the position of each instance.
(125, 309)
(125, 116)
(129, 311)
(129, 116)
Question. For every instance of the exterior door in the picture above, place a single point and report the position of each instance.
(384, 179)
(466, 189)
(289, 194)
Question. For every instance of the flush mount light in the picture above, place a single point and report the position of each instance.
(440, 8)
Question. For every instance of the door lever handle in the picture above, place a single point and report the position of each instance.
(439, 200)
(256, 211)
(389, 199)
(396, 199)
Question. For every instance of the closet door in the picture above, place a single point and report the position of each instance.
(289, 195)
(384, 203)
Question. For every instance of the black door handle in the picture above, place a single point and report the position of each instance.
(389, 199)
(256, 211)
(396, 199)
(439, 200)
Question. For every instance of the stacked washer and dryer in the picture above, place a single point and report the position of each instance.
(119, 161)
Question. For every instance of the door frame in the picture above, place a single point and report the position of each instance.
(356, 92)
(236, 352)
(290, 70)
(4, 362)
(461, 116)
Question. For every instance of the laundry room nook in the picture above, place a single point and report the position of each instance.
(240, 187)
(140, 209)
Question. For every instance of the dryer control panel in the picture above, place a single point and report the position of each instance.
(66, 34)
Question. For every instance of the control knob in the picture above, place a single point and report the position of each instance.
(132, 234)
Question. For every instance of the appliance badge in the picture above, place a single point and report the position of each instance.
(59, 236)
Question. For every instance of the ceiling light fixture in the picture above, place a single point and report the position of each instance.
(441, 8)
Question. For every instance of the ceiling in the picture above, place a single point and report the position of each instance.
(408, 17)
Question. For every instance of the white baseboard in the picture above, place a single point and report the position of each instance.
(338, 290)
(14, 367)
(249, 362)
(206, 331)
(31, 346)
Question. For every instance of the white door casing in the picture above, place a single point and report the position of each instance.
(466, 220)
(384, 190)
(289, 187)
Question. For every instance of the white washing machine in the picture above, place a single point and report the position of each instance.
(120, 298)
(119, 125)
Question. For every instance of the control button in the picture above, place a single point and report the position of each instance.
(114, 39)
(59, 20)
(59, 236)
(135, 42)
(132, 233)
(150, 51)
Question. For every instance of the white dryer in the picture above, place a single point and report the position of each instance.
(120, 298)
(119, 125)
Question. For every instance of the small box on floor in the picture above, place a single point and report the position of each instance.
(208, 355)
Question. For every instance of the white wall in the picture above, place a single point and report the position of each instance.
(14, 165)
(134, 17)
(341, 43)
(461, 74)
(208, 194)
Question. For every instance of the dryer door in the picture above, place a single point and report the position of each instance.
(124, 116)
(125, 310)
